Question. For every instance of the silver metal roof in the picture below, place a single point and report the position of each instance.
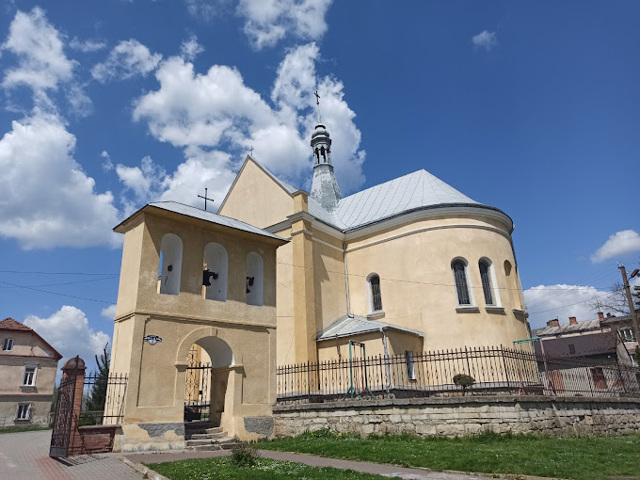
(194, 212)
(355, 325)
(415, 190)
(410, 192)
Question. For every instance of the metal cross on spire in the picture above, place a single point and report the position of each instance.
(251, 152)
(318, 104)
(205, 198)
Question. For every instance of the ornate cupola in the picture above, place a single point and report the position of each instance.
(324, 187)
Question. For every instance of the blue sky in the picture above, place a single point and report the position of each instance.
(530, 107)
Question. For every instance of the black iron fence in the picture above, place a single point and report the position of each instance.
(103, 399)
(468, 371)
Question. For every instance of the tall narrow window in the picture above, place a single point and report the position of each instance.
(170, 264)
(7, 345)
(24, 411)
(29, 379)
(460, 276)
(214, 276)
(485, 275)
(254, 279)
(375, 296)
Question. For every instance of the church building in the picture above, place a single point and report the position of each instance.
(406, 266)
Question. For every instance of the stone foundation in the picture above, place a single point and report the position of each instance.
(450, 417)
(142, 437)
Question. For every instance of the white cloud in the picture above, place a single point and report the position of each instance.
(127, 59)
(107, 164)
(144, 181)
(47, 200)
(42, 64)
(109, 312)
(37, 44)
(485, 39)
(620, 243)
(546, 302)
(203, 9)
(190, 49)
(269, 21)
(68, 331)
(216, 118)
(86, 46)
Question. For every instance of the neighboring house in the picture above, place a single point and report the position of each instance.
(605, 340)
(28, 366)
(406, 266)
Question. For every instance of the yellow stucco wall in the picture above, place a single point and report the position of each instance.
(417, 283)
(156, 387)
(256, 198)
(412, 255)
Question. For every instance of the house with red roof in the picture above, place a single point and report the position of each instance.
(28, 365)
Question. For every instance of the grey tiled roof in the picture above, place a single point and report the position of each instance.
(211, 217)
(355, 325)
(567, 328)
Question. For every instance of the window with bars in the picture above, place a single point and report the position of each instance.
(29, 378)
(485, 275)
(24, 411)
(462, 288)
(7, 345)
(376, 296)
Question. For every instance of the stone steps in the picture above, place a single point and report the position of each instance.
(213, 439)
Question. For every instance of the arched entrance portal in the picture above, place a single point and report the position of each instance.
(206, 380)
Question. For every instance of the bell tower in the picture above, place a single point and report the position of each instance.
(324, 187)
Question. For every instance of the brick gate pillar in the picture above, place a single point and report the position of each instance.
(75, 368)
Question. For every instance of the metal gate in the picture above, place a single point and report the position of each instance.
(63, 419)
(197, 395)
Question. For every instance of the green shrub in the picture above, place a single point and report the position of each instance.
(244, 455)
(464, 381)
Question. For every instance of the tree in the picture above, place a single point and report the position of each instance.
(95, 401)
(616, 300)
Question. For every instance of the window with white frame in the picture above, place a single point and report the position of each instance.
(7, 345)
(627, 334)
(375, 295)
(459, 267)
(29, 379)
(485, 275)
(23, 411)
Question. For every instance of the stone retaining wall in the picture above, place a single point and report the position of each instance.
(464, 416)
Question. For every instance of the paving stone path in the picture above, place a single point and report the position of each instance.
(25, 456)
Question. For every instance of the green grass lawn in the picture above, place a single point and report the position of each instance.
(223, 468)
(577, 458)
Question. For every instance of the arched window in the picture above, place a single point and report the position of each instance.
(214, 275)
(459, 267)
(374, 294)
(254, 285)
(488, 282)
(170, 267)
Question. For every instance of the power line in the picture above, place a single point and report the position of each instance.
(66, 283)
(56, 293)
(60, 273)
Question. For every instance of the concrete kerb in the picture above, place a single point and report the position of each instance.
(143, 470)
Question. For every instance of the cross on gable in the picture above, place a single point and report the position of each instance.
(205, 198)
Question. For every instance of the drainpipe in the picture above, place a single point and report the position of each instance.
(386, 362)
(346, 278)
